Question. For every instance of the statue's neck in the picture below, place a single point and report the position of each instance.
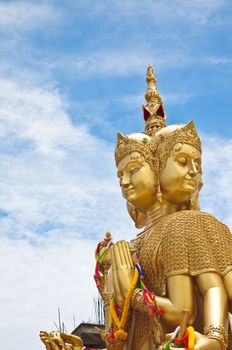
(168, 208)
(158, 210)
(153, 214)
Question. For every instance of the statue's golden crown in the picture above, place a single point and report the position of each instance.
(139, 142)
(183, 134)
(157, 138)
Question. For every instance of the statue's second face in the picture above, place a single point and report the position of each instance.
(137, 181)
(181, 177)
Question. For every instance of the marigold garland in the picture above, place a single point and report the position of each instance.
(188, 338)
(147, 295)
(149, 299)
(191, 339)
(183, 339)
(120, 333)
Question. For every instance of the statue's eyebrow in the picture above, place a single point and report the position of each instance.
(181, 153)
(129, 164)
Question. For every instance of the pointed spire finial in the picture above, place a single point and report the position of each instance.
(154, 113)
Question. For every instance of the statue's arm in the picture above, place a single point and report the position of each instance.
(215, 303)
(181, 295)
(227, 280)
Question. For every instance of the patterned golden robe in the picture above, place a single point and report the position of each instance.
(186, 242)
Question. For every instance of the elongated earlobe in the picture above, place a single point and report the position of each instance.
(138, 217)
(159, 195)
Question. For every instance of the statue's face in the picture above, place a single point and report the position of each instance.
(181, 177)
(137, 181)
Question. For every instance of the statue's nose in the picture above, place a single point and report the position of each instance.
(193, 171)
(125, 179)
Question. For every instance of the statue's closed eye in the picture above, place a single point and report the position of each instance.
(134, 170)
(182, 161)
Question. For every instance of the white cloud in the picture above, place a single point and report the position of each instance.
(217, 169)
(58, 196)
(58, 190)
(24, 15)
(135, 101)
(50, 168)
(38, 280)
(124, 62)
(199, 11)
(217, 60)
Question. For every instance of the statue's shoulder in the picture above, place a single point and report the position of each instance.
(192, 226)
(194, 242)
(194, 217)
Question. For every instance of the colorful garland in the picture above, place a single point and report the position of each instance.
(188, 339)
(121, 334)
(99, 256)
(148, 297)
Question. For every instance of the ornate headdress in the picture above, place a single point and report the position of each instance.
(153, 111)
(156, 133)
(139, 142)
(167, 138)
(154, 117)
(156, 143)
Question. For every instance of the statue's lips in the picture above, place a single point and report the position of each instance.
(129, 191)
(190, 182)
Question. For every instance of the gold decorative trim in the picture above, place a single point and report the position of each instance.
(153, 111)
(217, 333)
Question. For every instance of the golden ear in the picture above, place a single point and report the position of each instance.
(137, 216)
(194, 202)
(159, 195)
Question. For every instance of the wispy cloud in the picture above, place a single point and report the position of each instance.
(175, 98)
(217, 194)
(198, 11)
(217, 60)
(25, 15)
(38, 280)
(58, 188)
(59, 194)
(126, 62)
(50, 166)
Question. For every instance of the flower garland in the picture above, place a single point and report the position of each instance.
(188, 338)
(148, 297)
(99, 255)
(121, 334)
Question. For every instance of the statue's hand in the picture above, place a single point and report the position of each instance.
(122, 270)
(105, 261)
(76, 342)
(60, 341)
(44, 336)
(205, 343)
(201, 343)
(52, 340)
(102, 253)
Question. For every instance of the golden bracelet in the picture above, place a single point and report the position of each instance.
(217, 333)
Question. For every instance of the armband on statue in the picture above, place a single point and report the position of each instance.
(217, 333)
(143, 300)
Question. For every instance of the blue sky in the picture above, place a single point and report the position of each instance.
(72, 73)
